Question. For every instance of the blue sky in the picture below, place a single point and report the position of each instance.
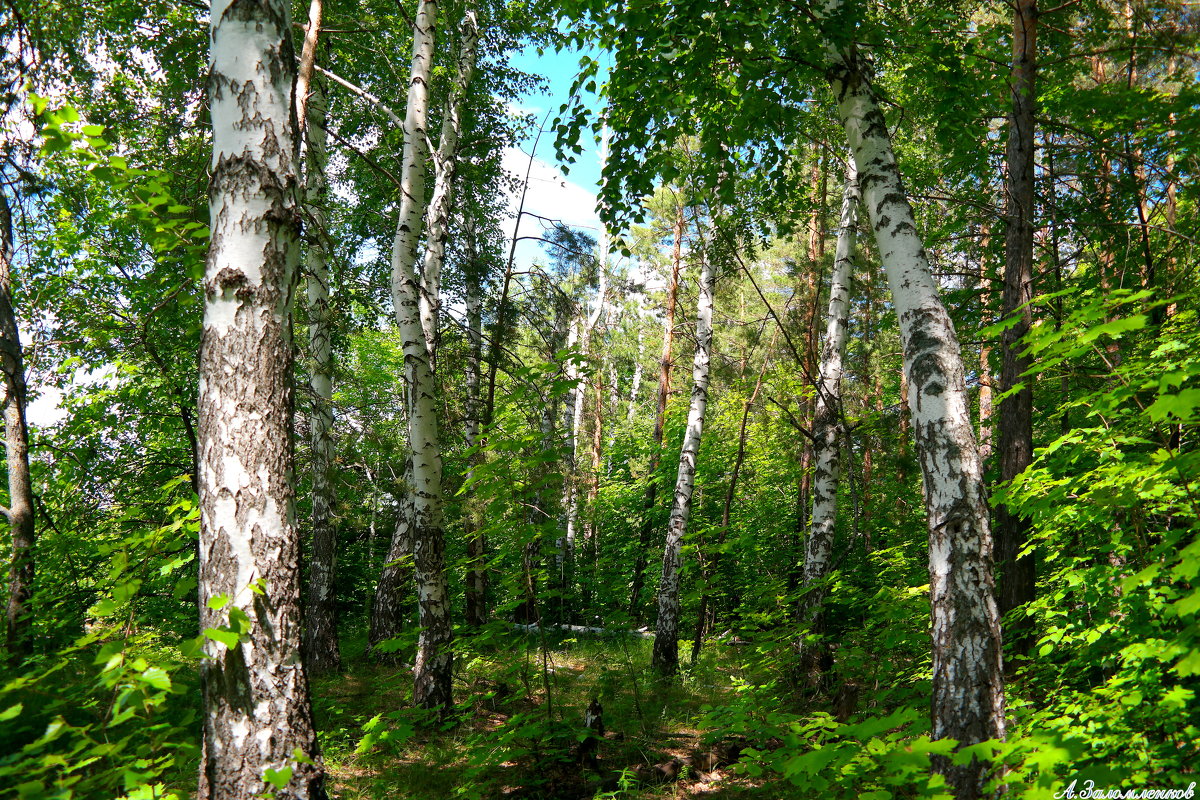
(569, 198)
(559, 70)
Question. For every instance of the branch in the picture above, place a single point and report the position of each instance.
(370, 161)
(363, 93)
(792, 419)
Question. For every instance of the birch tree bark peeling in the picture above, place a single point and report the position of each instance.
(968, 688)
(258, 713)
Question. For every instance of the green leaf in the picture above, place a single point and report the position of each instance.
(219, 601)
(12, 712)
(105, 608)
(1188, 665)
(278, 778)
(1182, 405)
(228, 638)
(157, 677)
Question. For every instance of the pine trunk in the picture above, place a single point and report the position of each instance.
(968, 684)
(1016, 575)
(257, 710)
(666, 637)
(20, 514)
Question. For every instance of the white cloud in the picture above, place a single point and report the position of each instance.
(551, 197)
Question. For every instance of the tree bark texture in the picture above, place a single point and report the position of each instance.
(18, 640)
(666, 633)
(827, 417)
(587, 327)
(257, 711)
(968, 684)
(320, 628)
(445, 160)
(986, 412)
(1016, 575)
(660, 418)
(421, 522)
(476, 590)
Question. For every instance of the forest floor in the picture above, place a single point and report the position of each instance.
(519, 723)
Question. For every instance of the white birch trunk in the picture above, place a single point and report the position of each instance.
(968, 684)
(827, 427)
(637, 368)
(257, 712)
(666, 638)
(437, 217)
(566, 550)
(421, 521)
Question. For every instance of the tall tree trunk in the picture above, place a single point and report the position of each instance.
(660, 417)
(968, 683)
(827, 421)
(320, 628)
(20, 514)
(476, 591)
(1016, 575)
(587, 328)
(421, 518)
(666, 637)
(712, 569)
(636, 386)
(591, 543)
(445, 160)
(986, 412)
(257, 710)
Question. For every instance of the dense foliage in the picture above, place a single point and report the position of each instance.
(723, 146)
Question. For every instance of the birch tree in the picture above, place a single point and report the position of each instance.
(827, 419)
(257, 713)
(666, 634)
(660, 414)
(321, 650)
(321, 640)
(968, 685)
(445, 159)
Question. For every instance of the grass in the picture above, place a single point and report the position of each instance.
(518, 721)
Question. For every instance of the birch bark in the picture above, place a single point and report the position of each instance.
(421, 518)
(665, 658)
(827, 427)
(20, 514)
(968, 684)
(660, 416)
(257, 712)
(445, 160)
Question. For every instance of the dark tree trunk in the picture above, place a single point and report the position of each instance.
(320, 623)
(476, 591)
(1016, 575)
(19, 632)
(257, 713)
